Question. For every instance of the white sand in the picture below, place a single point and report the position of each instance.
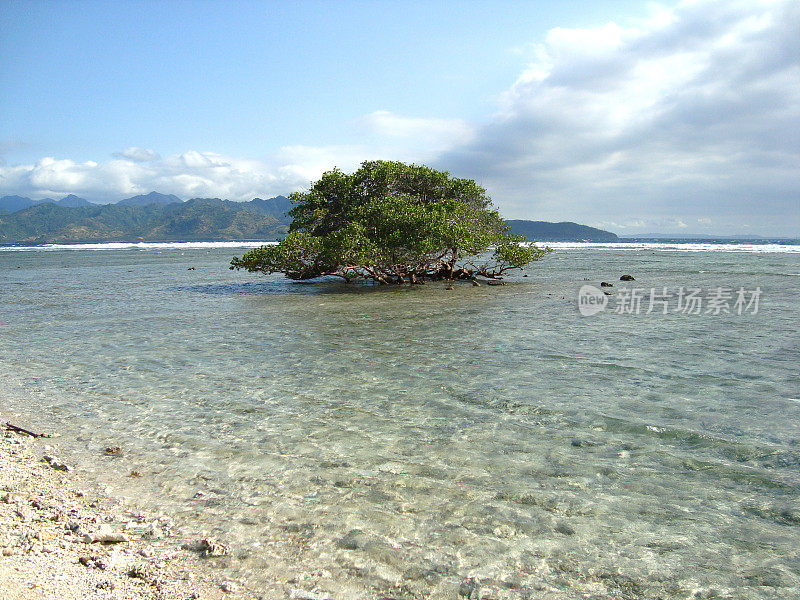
(46, 526)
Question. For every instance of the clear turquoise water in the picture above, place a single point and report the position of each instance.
(425, 443)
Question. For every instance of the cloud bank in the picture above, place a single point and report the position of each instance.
(689, 119)
(686, 121)
(191, 174)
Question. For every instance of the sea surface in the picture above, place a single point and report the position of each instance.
(484, 442)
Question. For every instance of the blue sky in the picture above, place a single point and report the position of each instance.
(626, 115)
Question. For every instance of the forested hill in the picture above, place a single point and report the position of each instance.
(197, 219)
(545, 231)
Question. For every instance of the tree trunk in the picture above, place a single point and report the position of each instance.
(452, 265)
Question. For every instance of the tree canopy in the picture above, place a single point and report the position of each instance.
(393, 223)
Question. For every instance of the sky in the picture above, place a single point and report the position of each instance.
(637, 117)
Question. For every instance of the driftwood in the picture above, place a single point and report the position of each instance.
(16, 429)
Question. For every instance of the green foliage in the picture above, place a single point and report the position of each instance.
(393, 223)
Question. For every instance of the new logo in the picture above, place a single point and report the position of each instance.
(591, 300)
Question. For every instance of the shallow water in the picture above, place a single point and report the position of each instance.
(491, 441)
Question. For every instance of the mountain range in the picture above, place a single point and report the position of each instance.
(138, 219)
(151, 198)
(162, 217)
(10, 204)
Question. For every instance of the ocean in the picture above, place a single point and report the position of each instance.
(355, 441)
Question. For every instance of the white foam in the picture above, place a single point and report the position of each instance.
(677, 246)
(134, 246)
(792, 248)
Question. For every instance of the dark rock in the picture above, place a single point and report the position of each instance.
(468, 588)
(416, 573)
(606, 284)
(627, 278)
(211, 548)
(354, 540)
(139, 572)
(56, 464)
(564, 528)
(333, 464)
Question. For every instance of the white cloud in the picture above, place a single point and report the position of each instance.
(137, 154)
(307, 163)
(187, 175)
(692, 112)
(428, 134)
(208, 174)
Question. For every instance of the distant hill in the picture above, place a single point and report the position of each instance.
(197, 219)
(151, 198)
(14, 203)
(10, 204)
(72, 201)
(278, 207)
(544, 231)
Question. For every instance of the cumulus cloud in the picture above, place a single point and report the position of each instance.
(186, 175)
(693, 112)
(209, 174)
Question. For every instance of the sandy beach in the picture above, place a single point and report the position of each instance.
(62, 539)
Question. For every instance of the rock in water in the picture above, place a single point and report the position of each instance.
(627, 278)
(564, 528)
(468, 588)
(210, 548)
(56, 464)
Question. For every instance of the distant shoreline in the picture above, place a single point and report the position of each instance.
(665, 244)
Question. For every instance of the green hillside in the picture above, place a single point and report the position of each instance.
(199, 219)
